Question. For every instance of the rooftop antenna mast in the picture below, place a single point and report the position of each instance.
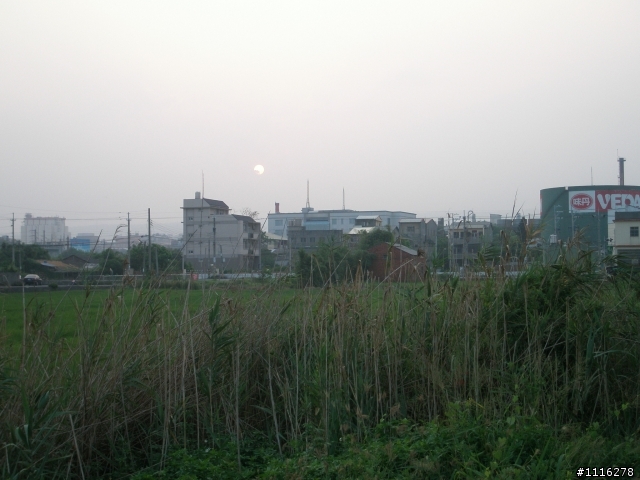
(308, 206)
(343, 208)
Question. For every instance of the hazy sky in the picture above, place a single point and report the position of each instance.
(427, 107)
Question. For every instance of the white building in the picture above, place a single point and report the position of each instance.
(43, 230)
(217, 240)
(344, 220)
(626, 237)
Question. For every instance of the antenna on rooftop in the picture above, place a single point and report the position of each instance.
(308, 206)
(343, 199)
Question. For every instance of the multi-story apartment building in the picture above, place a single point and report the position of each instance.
(214, 239)
(422, 233)
(466, 239)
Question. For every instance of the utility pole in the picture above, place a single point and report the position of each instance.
(214, 242)
(464, 242)
(449, 242)
(149, 227)
(436, 252)
(573, 228)
(128, 242)
(13, 240)
(555, 218)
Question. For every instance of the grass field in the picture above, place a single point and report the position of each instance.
(63, 310)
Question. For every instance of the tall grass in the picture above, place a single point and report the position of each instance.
(558, 343)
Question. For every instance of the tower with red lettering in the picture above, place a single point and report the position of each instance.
(585, 213)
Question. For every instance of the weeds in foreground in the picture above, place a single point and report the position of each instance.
(463, 444)
(555, 349)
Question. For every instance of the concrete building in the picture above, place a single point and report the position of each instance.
(422, 233)
(43, 230)
(626, 236)
(343, 220)
(364, 224)
(466, 239)
(309, 238)
(217, 240)
(275, 242)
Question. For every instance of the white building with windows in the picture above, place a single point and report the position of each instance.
(344, 220)
(43, 230)
(214, 239)
(626, 236)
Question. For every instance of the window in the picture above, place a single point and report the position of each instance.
(342, 221)
(312, 239)
(334, 221)
(633, 231)
(190, 251)
(189, 218)
(456, 235)
(303, 240)
(411, 229)
(278, 223)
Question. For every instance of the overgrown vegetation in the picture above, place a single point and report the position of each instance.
(501, 377)
(331, 264)
(463, 444)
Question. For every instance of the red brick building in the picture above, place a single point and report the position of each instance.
(397, 263)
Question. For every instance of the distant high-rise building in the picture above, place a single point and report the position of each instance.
(43, 230)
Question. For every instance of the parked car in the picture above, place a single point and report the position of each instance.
(32, 279)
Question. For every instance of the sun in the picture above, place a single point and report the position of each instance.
(259, 169)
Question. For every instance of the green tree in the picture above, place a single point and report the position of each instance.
(111, 262)
(375, 237)
(267, 258)
(169, 260)
(5, 257)
(26, 255)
